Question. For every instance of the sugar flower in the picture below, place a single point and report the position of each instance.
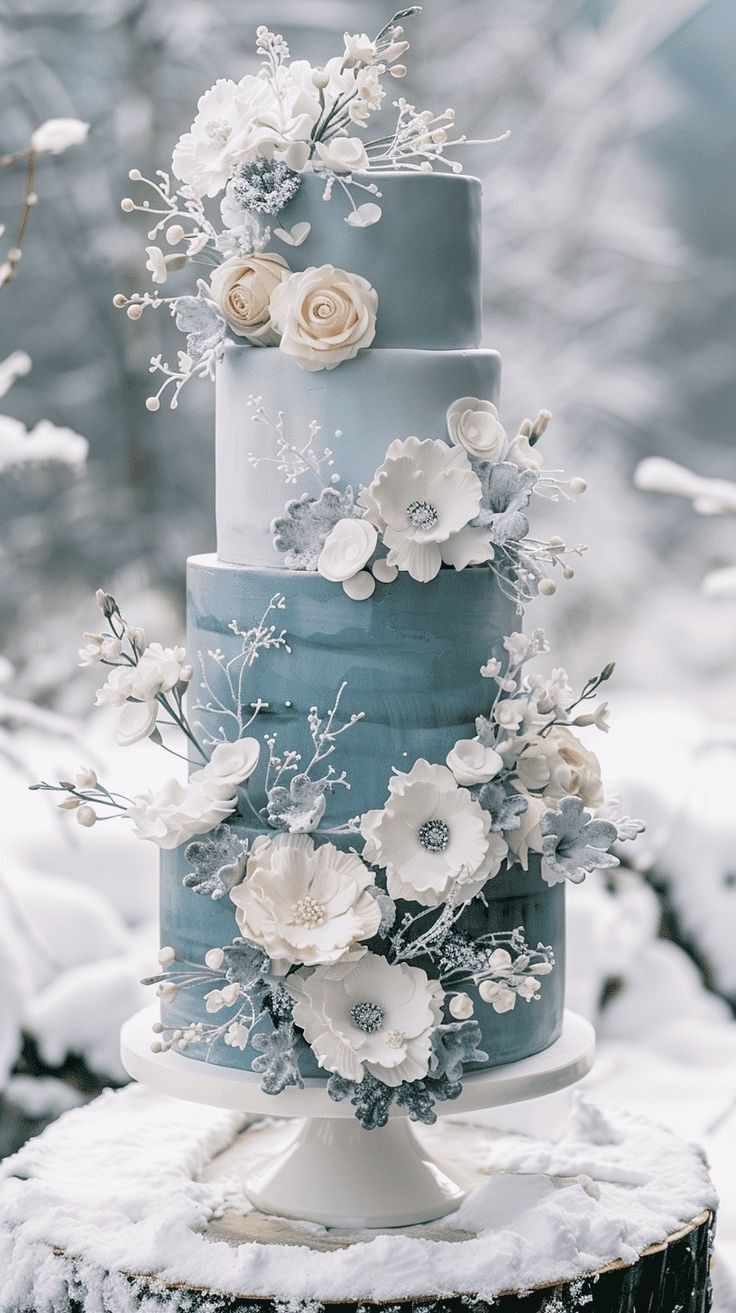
(347, 549)
(241, 289)
(205, 157)
(574, 844)
(558, 764)
(432, 838)
(474, 425)
(177, 812)
(343, 155)
(422, 499)
(304, 904)
(324, 316)
(231, 764)
(471, 762)
(368, 1017)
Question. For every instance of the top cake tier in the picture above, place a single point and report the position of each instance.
(423, 258)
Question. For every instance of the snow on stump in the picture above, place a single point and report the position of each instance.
(133, 1204)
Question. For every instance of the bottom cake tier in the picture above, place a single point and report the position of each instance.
(517, 907)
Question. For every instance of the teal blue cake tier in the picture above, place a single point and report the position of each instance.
(423, 257)
(192, 924)
(408, 661)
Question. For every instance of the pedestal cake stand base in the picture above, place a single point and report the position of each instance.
(326, 1168)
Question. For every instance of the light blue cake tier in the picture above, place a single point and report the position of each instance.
(379, 396)
(409, 657)
(191, 924)
(423, 257)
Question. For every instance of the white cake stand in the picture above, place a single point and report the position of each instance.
(327, 1169)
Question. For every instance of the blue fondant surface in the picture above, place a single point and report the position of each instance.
(379, 396)
(422, 257)
(192, 924)
(410, 658)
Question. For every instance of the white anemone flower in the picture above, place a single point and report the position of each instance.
(304, 904)
(422, 500)
(368, 1016)
(432, 838)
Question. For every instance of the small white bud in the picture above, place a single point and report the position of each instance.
(174, 234)
(86, 778)
(86, 816)
(156, 1046)
(135, 175)
(127, 205)
(398, 70)
(578, 486)
(168, 992)
(119, 300)
(153, 403)
(166, 956)
(214, 959)
(134, 311)
(461, 1007)
(320, 79)
(547, 587)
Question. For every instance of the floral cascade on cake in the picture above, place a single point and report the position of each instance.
(363, 875)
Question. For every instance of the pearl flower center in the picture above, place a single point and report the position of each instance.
(422, 514)
(434, 835)
(368, 1017)
(218, 131)
(309, 912)
(396, 1039)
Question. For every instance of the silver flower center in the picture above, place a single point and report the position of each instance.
(368, 1017)
(434, 835)
(218, 131)
(309, 912)
(422, 514)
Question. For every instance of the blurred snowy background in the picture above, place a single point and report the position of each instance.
(610, 290)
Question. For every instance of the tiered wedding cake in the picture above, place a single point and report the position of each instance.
(363, 878)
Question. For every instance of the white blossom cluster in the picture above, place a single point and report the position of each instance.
(250, 144)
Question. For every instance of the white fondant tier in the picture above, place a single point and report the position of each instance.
(379, 396)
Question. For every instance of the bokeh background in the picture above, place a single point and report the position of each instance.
(610, 289)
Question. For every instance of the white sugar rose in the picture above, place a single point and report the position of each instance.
(527, 837)
(347, 549)
(324, 316)
(472, 763)
(475, 426)
(177, 812)
(432, 838)
(558, 766)
(305, 905)
(343, 155)
(368, 1016)
(242, 288)
(230, 764)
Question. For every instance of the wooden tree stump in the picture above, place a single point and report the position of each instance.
(134, 1204)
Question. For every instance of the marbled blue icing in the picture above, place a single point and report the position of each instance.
(423, 257)
(379, 396)
(410, 657)
(191, 924)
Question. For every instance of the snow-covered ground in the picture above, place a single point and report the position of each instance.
(78, 930)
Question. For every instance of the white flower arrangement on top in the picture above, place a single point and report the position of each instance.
(251, 143)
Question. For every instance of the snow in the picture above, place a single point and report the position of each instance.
(113, 1185)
